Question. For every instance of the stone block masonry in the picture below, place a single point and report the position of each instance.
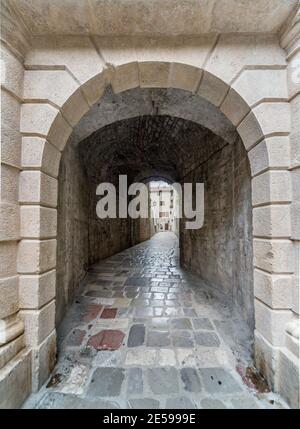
(240, 71)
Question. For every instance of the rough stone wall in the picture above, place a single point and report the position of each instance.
(83, 238)
(221, 251)
(106, 236)
(242, 293)
(72, 233)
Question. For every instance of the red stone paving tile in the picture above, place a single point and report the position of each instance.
(108, 339)
(91, 312)
(109, 313)
(76, 337)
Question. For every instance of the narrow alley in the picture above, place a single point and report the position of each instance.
(143, 333)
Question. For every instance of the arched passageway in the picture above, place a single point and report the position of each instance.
(66, 80)
(158, 145)
(137, 321)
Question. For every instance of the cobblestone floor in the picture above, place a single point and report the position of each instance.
(142, 333)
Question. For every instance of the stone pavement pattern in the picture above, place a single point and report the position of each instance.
(143, 333)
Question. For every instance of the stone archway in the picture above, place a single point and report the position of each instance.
(58, 93)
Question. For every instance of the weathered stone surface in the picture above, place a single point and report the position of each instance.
(38, 323)
(207, 339)
(15, 381)
(161, 323)
(182, 339)
(106, 382)
(158, 339)
(272, 289)
(190, 379)
(36, 256)
(36, 187)
(166, 357)
(107, 340)
(217, 380)
(141, 357)
(57, 401)
(8, 296)
(91, 312)
(109, 313)
(38, 222)
(136, 336)
(43, 360)
(101, 19)
(271, 322)
(38, 153)
(134, 381)
(181, 324)
(76, 337)
(144, 403)
(212, 404)
(163, 380)
(202, 323)
(288, 378)
(180, 403)
(244, 403)
(166, 133)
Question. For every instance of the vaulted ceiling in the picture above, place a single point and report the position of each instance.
(148, 146)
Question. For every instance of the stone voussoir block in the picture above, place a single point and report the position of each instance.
(125, 77)
(185, 77)
(94, 88)
(154, 75)
(212, 89)
(235, 107)
(75, 107)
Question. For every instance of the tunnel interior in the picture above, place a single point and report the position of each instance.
(168, 134)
